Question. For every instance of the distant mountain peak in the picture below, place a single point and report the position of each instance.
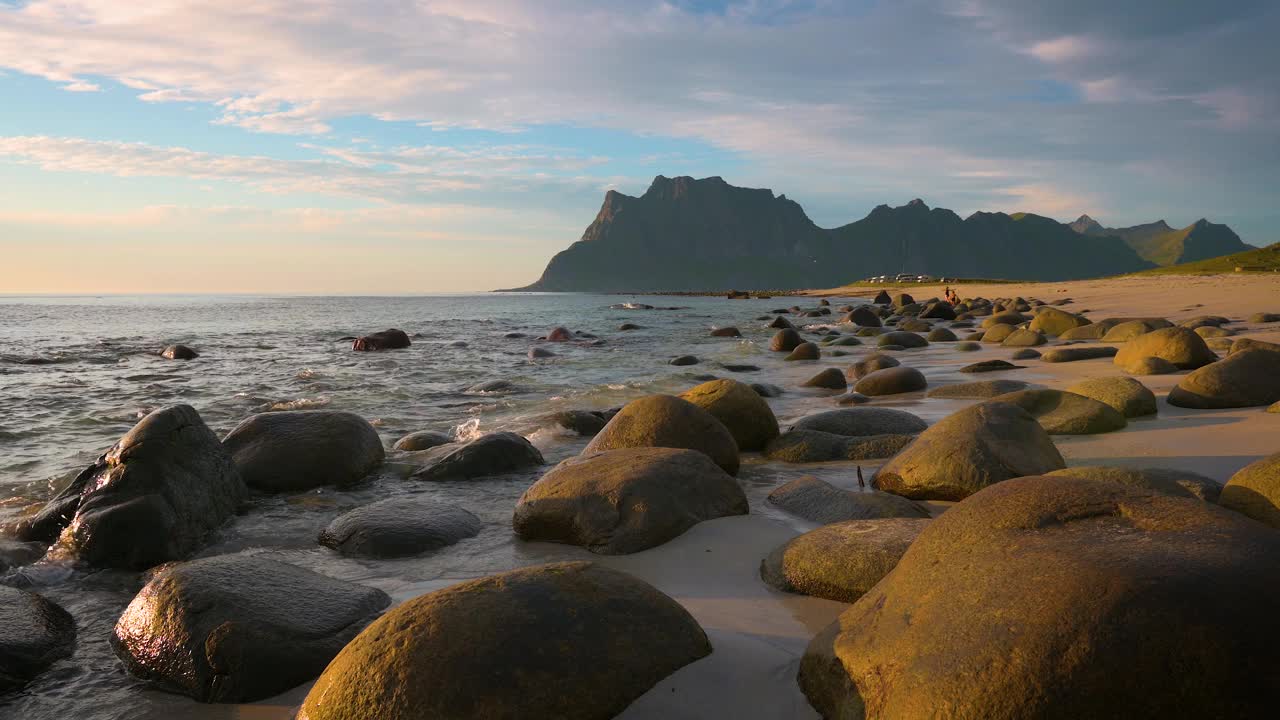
(917, 203)
(1086, 225)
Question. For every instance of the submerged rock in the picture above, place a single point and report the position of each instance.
(238, 628)
(1071, 595)
(399, 527)
(300, 450)
(667, 421)
(840, 561)
(481, 649)
(34, 633)
(389, 339)
(155, 496)
(785, 340)
(628, 500)
(492, 454)
(179, 352)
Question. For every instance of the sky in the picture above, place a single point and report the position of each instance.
(412, 146)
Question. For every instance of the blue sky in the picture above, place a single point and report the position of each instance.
(322, 146)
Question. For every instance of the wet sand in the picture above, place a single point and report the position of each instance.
(759, 634)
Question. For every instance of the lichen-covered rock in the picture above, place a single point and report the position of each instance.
(1061, 597)
(1128, 396)
(155, 496)
(969, 450)
(491, 454)
(399, 527)
(840, 561)
(565, 640)
(300, 450)
(238, 628)
(625, 501)
(740, 408)
(671, 422)
(34, 633)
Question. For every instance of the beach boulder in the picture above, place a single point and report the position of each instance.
(739, 408)
(941, 335)
(1180, 483)
(785, 340)
(509, 646)
(179, 352)
(997, 333)
(863, 316)
(682, 360)
(726, 332)
(579, 422)
(1074, 354)
(1054, 322)
(239, 628)
(491, 454)
(781, 323)
(422, 440)
(1149, 366)
(399, 527)
(304, 449)
(559, 334)
(1255, 491)
(891, 381)
(35, 632)
(155, 496)
(1091, 332)
(902, 339)
(821, 502)
(986, 366)
(1242, 344)
(1022, 337)
(389, 339)
(1180, 346)
(840, 561)
(1127, 330)
(862, 421)
(938, 310)
(870, 364)
(969, 450)
(829, 379)
(883, 298)
(1058, 597)
(804, 351)
(537, 353)
(670, 422)
(1242, 379)
(1264, 317)
(1024, 354)
(1012, 319)
(1066, 413)
(624, 501)
(980, 389)
(805, 446)
(1126, 395)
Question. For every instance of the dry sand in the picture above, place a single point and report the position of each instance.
(759, 634)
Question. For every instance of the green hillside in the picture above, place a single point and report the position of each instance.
(1265, 259)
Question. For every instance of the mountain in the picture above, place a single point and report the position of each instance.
(1263, 259)
(687, 234)
(1161, 244)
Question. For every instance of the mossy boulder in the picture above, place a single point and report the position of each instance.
(1243, 379)
(969, 450)
(1068, 594)
(840, 561)
(628, 500)
(1126, 395)
(1180, 346)
(739, 408)
(670, 422)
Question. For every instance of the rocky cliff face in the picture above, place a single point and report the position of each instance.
(687, 234)
(1161, 244)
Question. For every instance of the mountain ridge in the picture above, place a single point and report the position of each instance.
(1162, 244)
(686, 234)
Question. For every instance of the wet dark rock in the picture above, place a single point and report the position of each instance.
(492, 454)
(862, 421)
(980, 389)
(729, 332)
(852, 398)
(863, 316)
(829, 379)
(389, 339)
(781, 323)
(740, 368)
(16, 553)
(1025, 354)
(155, 496)
(238, 628)
(300, 450)
(34, 633)
(179, 352)
(628, 326)
(870, 364)
(422, 440)
(903, 339)
(683, 360)
(493, 386)
(941, 335)
(583, 422)
(804, 351)
(399, 527)
(766, 390)
(537, 353)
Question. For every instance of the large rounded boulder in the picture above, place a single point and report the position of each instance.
(1180, 483)
(34, 633)
(863, 316)
(806, 446)
(670, 422)
(741, 409)
(1242, 379)
(1074, 354)
(389, 339)
(862, 421)
(491, 454)
(155, 496)
(1124, 394)
(1255, 491)
(840, 561)
(891, 381)
(786, 340)
(565, 640)
(969, 450)
(982, 389)
(870, 364)
(301, 450)
(399, 527)
(902, 338)
(237, 628)
(1180, 346)
(628, 500)
(821, 502)
(1045, 598)
(1066, 413)
(1052, 321)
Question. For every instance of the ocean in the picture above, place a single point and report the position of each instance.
(77, 372)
